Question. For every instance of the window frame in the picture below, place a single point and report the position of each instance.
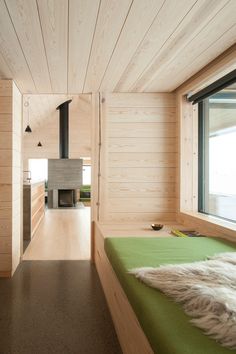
(203, 135)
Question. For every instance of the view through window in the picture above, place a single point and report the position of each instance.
(217, 146)
(86, 175)
(38, 169)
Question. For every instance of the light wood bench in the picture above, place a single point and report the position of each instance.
(130, 334)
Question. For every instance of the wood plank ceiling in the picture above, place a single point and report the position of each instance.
(81, 46)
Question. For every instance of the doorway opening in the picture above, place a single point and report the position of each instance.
(60, 203)
(61, 232)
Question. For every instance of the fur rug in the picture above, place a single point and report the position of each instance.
(206, 290)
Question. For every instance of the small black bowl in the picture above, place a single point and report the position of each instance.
(157, 227)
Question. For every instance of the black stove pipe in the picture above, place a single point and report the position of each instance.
(64, 129)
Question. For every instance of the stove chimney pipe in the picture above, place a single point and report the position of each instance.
(64, 129)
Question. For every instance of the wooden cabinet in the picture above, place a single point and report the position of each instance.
(34, 208)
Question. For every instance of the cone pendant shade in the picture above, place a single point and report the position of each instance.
(28, 129)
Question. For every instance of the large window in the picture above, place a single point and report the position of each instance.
(86, 175)
(217, 149)
(38, 169)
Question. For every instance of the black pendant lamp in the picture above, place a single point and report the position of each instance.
(27, 129)
(40, 144)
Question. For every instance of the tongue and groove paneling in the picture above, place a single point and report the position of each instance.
(10, 177)
(138, 157)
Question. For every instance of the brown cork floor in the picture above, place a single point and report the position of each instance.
(55, 307)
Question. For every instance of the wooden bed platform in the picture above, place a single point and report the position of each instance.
(129, 331)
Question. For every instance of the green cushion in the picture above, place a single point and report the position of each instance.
(85, 193)
(85, 188)
(164, 322)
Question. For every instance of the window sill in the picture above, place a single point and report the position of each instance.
(212, 223)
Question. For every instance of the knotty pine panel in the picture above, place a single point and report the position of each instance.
(5, 192)
(139, 205)
(138, 157)
(17, 237)
(5, 245)
(154, 174)
(5, 175)
(5, 262)
(129, 217)
(6, 88)
(6, 210)
(5, 122)
(5, 140)
(5, 105)
(141, 189)
(143, 159)
(141, 100)
(5, 228)
(142, 130)
(5, 158)
(142, 114)
(150, 145)
(10, 176)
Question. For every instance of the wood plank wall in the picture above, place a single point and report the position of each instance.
(138, 157)
(10, 177)
(80, 122)
(17, 193)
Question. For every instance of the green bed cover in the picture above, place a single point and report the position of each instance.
(164, 322)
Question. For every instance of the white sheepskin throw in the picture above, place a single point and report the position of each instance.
(206, 290)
